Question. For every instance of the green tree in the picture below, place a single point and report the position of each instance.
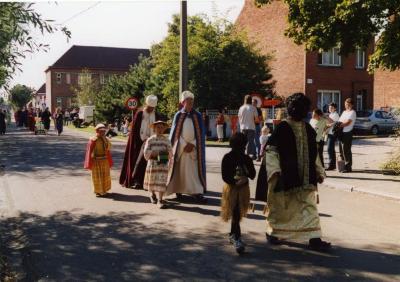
(86, 92)
(321, 25)
(223, 65)
(17, 20)
(20, 95)
(110, 101)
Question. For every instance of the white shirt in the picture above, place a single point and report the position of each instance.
(145, 130)
(247, 115)
(335, 117)
(348, 115)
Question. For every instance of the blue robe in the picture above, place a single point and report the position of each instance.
(200, 135)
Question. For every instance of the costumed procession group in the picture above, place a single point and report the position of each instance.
(289, 174)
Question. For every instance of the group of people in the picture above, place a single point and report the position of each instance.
(287, 181)
(29, 117)
(335, 128)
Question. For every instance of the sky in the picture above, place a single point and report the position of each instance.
(129, 24)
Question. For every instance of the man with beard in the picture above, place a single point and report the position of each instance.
(134, 166)
(188, 172)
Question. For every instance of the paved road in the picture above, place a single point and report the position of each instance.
(46, 201)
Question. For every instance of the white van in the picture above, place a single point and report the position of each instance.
(86, 113)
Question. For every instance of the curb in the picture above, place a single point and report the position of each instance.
(351, 188)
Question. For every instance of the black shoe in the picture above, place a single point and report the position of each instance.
(153, 199)
(316, 244)
(179, 197)
(272, 239)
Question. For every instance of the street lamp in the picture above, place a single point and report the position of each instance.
(183, 62)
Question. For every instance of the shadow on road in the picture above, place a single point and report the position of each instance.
(117, 247)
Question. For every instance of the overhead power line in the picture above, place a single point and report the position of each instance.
(80, 13)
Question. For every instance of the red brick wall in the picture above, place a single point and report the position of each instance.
(64, 90)
(387, 89)
(266, 26)
(346, 78)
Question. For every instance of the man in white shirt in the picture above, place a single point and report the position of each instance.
(248, 115)
(333, 118)
(319, 123)
(348, 118)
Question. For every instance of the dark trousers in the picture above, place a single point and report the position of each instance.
(257, 139)
(331, 150)
(251, 146)
(235, 225)
(345, 149)
(321, 151)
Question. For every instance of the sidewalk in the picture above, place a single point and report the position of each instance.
(367, 177)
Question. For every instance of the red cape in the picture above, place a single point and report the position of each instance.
(88, 157)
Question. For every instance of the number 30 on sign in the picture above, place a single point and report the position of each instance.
(132, 103)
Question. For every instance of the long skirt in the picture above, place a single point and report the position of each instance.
(231, 196)
(220, 131)
(292, 215)
(101, 178)
(156, 177)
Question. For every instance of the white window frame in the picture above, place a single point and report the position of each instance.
(329, 92)
(68, 78)
(58, 77)
(360, 64)
(102, 78)
(328, 58)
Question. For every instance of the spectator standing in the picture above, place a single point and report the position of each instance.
(333, 118)
(67, 117)
(348, 118)
(220, 121)
(2, 122)
(247, 117)
(206, 122)
(319, 123)
(59, 121)
(258, 123)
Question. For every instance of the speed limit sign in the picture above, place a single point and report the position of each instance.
(132, 103)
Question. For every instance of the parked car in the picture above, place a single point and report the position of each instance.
(375, 121)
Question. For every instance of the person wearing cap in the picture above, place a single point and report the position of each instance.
(98, 160)
(134, 165)
(157, 152)
(187, 136)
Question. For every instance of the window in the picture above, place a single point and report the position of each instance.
(58, 77)
(102, 78)
(325, 97)
(378, 115)
(330, 58)
(360, 59)
(59, 102)
(359, 103)
(84, 77)
(68, 78)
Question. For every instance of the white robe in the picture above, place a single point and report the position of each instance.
(185, 178)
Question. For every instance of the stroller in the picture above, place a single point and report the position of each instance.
(39, 127)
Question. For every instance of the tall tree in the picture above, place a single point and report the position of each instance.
(223, 65)
(17, 20)
(110, 101)
(20, 95)
(349, 25)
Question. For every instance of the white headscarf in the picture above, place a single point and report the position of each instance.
(185, 95)
(151, 101)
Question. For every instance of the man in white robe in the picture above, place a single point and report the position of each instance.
(187, 175)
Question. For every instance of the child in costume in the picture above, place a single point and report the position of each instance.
(237, 168)
(158, 152)
(264, 138)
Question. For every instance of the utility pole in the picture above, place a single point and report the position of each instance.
(183, 62)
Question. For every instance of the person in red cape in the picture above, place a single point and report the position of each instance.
(134, 165)
(98, 160)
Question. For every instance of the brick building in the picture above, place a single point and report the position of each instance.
(324, 77)
(386, 89)
(100, 62)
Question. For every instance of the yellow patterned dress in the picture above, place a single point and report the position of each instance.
(293, 214)
(101, 178)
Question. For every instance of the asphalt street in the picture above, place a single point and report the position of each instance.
(70, 235)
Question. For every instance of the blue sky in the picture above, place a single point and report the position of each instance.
(130, 24)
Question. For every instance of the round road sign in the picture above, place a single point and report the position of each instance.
(132, 103)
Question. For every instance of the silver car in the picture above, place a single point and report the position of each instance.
(376, 121)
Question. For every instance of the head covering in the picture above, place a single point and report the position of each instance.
(159, 122)
(186, 95)
(151, 101)
(100, 126)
